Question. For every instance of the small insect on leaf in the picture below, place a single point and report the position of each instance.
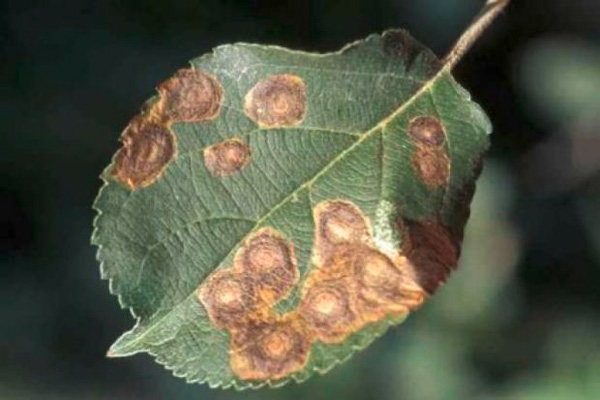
(270, 212)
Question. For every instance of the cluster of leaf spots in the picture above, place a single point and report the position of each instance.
(148, 141)
(351, 285)
(240, 299)
(430, 160)
(192, 95)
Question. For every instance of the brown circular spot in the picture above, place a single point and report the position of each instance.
(277, 101)
(269, 350)
(227, 157)
(278, 344)
(147, 149)
(268, 259)
(327, 310)
(191, 95)
(266, 252)
(432, 166)
(341, 222)
(228, 298)
(426, 131)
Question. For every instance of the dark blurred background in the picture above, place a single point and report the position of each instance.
(520, 319)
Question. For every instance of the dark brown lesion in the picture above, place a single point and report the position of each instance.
(227, 157)
(191, 95)
(430, 160)
(277, 101)
(432, 251)
(269, 350)
(401, 45)
(148, 147)
(426, 131)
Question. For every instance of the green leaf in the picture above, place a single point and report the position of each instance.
(271, 211)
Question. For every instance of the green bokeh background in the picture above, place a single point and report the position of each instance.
(519, 320)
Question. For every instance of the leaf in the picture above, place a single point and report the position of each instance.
(271, 212)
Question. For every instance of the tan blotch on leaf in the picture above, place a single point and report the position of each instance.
(432, 166)
(226, 158)
(228, 298)
(277, 101)
(353, 283)
(329, 309)
(269, 350)
(338, 223)
(427, 131)
(430, 158)
(148, 147)
(268, 259)
(191, 95)
(383, 286)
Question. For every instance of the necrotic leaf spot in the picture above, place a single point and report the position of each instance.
(268, 259)
(379, 279)
(426, 131)
(148, 147)
(277, 101)
(228, 298)
(341, 222)
(433, 252)
(432, 166)
(227, 157)
(191, 95)
(269, 351)
(328, 310)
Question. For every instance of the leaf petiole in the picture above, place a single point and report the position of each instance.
(482, 21)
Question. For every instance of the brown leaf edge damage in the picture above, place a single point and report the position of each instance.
(148, 142)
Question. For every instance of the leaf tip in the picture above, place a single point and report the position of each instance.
(112, 354)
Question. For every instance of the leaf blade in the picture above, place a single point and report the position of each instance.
(325, 182)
